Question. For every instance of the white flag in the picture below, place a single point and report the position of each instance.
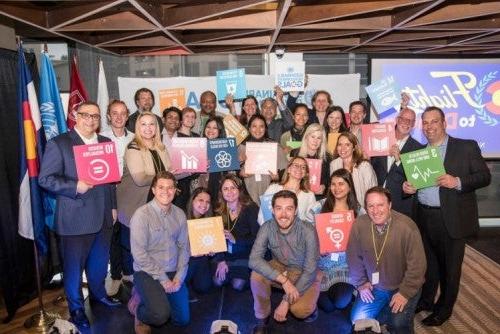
(102, 96)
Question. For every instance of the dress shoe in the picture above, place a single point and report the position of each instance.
(312, 317)
(107, 300)
(79, 318)
(434, 320)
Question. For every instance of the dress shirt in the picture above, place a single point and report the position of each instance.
(87, 141)
(121, 144)
(430, 196)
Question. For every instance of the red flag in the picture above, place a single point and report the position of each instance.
(77, 95)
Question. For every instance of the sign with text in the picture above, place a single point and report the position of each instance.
(333, 230)
(331, 145)
(290, 75)
(189, 154)
(97, 163)
(314, 173)
(293, 144)
(172, 97)
(266, 206)
(206, 235)
(231, 82)
(423, 167)
(385, 96)
(377, 138)
(261, 158)
(223, 155)
(235, 129)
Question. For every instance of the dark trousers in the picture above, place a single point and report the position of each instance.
(198, 276)
(89, 252)
(157, 306)
(121, 260)
(444, 261)
(337, 297)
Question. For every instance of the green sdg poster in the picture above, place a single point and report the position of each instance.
(423, 167)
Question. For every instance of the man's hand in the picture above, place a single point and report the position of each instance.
(365, 292)
(408, 188)
(447, 181)
(221, 271)
(281, 311)
(82, 187)
(394, 151)
(291, 291)
(398, 303)
(114, 214)
(405, 99)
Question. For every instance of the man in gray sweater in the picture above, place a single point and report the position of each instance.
(294, 247)
(387, 264)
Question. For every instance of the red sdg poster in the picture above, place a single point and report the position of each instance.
(97, 163)
(189, 154)
(333, 230)
(377, 138)
(314, 174)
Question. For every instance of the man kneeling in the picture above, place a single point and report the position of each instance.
(160, 248)
(295, 252)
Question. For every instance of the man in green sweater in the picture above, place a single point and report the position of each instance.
(386, 264)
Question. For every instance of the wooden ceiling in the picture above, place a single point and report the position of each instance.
(175, 27)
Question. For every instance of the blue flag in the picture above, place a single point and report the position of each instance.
(53, 120)
(31, 216)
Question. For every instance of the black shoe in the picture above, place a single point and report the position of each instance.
(434, 320)
(423, 307)
(108, 301)
(79, 318)
(312, 317)
(261, 326)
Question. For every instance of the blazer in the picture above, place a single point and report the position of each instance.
(76, 214)
(394, 179)
(459, 207)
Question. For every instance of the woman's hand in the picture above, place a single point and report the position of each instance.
(229, 236)
(221, 271)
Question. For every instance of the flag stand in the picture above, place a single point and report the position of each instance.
(41, 321)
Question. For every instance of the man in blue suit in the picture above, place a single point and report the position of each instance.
(84, 213)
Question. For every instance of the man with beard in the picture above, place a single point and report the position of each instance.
(145, 101)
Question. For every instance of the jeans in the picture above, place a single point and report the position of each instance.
(157, 306)
(198, 276)
(401, 322)
(120, 257)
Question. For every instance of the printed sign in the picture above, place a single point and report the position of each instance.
(173, 97)
(423, 167)
(222, 155)
(333, 230)
(261, 158)
(189, 154)
(377, 138)
(385, 96)
(331, 145)
(293, 144)
(266, 206)
(235, 129)
(97, 163)
(231, 82)
(206, 235)
(290, 75)
(314, 174)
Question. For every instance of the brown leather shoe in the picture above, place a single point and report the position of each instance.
(140, 327)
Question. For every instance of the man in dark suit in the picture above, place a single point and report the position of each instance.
(447, 214)
(84, 214)
(145, 101)
(389, 170)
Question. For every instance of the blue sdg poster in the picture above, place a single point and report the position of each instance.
(222, 155)
(231, 82)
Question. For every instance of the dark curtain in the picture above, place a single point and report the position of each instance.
(17, 269)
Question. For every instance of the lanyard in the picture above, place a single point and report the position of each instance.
(377, 254)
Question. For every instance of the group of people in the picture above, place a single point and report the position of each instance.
(403, 245)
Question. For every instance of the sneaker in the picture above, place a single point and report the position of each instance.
(134, 302)
(312, 317)
(113, 286)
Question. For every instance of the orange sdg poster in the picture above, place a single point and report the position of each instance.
(172, 97)
(333, 230)
(206, 235)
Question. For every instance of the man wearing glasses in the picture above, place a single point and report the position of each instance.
(389, 170)
(85, 213)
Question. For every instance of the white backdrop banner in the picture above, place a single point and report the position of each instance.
(344, 88)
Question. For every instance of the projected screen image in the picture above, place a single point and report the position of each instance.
(468, 91)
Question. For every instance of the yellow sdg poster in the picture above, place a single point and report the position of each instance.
(172, 97)
(206, 235)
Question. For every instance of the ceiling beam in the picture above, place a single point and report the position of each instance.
(459, 41)
(208, 36)
(120, 37)
(247, 20)
(127, 20)
(376, 22)
(256, 40)
(282, 9)
(60, 17)
(293, 36)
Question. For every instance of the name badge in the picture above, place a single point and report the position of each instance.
(230, 247)
(375, 277)
(334, 257)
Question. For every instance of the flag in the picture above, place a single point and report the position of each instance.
(77, 94)
(102, 96)
(53, 121)
(31, 217)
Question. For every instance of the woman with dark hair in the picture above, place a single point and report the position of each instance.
(336, 292)
(197, 279)
(256, 185)
(320, 101)
(239, 215)
(269, 108)
(300, 119)
(335, 120)
(350, 156)
(249, 107)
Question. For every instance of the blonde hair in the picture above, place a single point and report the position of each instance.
(315, 127)
(157, 144)
(304, 182)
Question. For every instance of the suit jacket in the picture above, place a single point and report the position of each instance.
(76, 214)
(459, 207)
(394, 178)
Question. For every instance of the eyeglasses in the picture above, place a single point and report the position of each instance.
(87, 116)
(299, 166)
(406, 120)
